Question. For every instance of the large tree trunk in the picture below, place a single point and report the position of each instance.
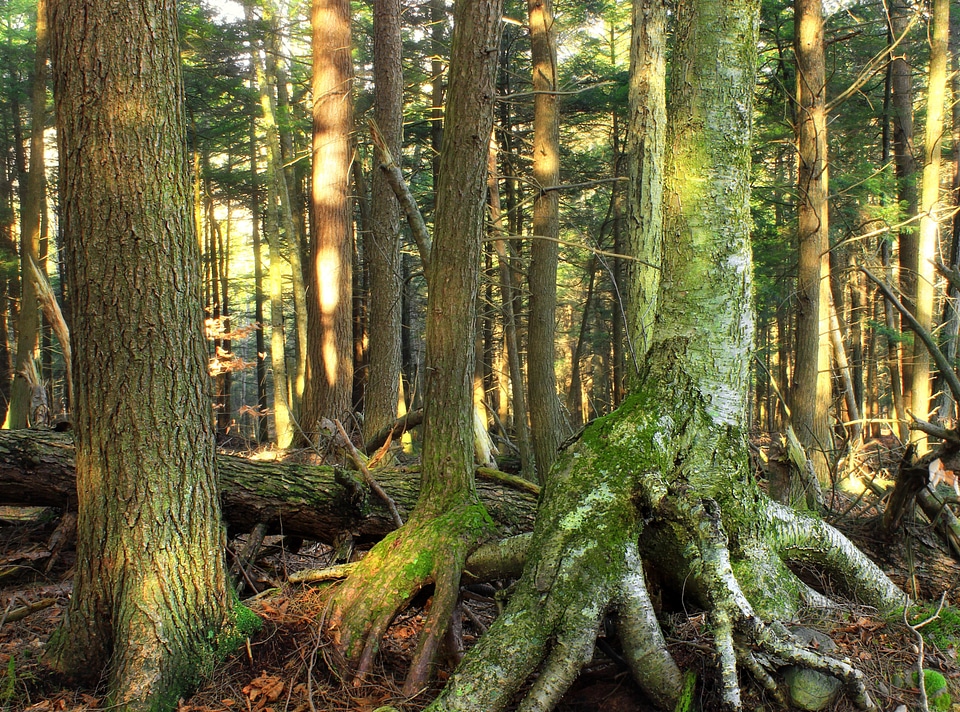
(150, 596)
(318, 503)
(330, 344)
(675, 453)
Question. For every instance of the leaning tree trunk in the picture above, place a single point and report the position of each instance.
(150, 597)
(675, 453)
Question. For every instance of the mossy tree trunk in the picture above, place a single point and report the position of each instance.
(150, 596)
(665, 477)
(449, 520)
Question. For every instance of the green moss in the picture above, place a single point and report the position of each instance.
(935, 686)
(942, 632)
(243, 624)
(685, 703)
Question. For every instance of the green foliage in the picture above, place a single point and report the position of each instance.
(8, 683)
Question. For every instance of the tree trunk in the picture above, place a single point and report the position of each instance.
(260, 419)
(545, 417)
(811, 390)
(150, 598)
(382, 246)
(508, 288)
(317, 503)
(448, 521)
(330, 343)
(22, 394)
(906, 170)
(927, 248)
(282, 413)
(674, 454)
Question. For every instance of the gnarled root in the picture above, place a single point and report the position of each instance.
(424, 551)
(739, 632)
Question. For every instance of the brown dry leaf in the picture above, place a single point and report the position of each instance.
(228, 702)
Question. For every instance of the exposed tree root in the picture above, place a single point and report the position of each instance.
(583, 563)
(425, 551)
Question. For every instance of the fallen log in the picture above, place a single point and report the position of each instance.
(312, 502)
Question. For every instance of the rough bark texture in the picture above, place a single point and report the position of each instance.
(674, 454)
(811, 389)
(330, 328)
(320, 503)
(545, 418)
(448, 521)
(150, 596)
(382, 244)
(645, 150)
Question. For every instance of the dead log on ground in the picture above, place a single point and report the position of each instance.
(37, 468)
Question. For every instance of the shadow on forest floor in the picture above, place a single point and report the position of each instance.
(285, 668)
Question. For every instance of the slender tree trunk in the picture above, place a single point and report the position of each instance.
(575, 394)
(927, 252)
(382, 246)
(28, 324)
(282, 414)
(951, 316)
(508, 287)
(891, 319)
(811, 391)
(330, 353)
(645, 151)
(277, 175)
(150, 596)
(906, 170)
(545, 416)
(258, 296)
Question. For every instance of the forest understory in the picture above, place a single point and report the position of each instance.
(289, 667)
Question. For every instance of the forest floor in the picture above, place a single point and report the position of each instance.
(286, 667)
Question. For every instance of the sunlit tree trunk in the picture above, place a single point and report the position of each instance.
(282, 412)
(927, 252)
(330, 309)
(28, 324)
(545, 417)
(150, 594)
(811, 390)
(382, 243)
(906, 170)
(260, 418)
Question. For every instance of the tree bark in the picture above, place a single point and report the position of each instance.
(150, 597)
(318, 503)
(545, 417)
(927, 248)
(382, 244)
(330, 337)
(906, 170)
(811, 390)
